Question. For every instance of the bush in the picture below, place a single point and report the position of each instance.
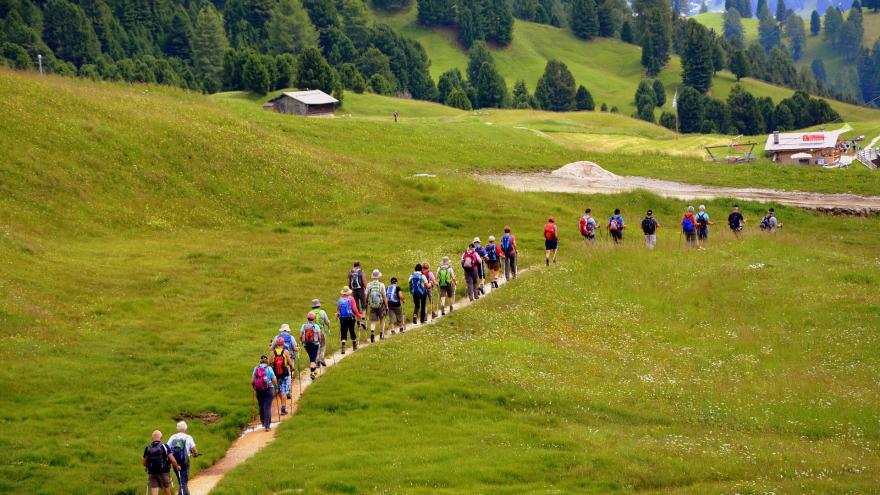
(667, 120)
(458, 99)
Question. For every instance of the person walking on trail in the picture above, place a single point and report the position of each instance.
(418, 288)
(588, 226)
(493, 260)
(394, 296)
(432, 284)
(183, 447)
(616, 226)
(158, 461)
(551, 240)
(323, 321)
(348, 314)
(289, 345)
(446, 284)
(378, 305)
(649, 227)
(263, 382)
(282, 366)
(689, 227)
(703, 224)
(481, 271)
(469, 261)
(736, 221)
(357, 284)
(311, 337)
(769, 223)
(508, 247)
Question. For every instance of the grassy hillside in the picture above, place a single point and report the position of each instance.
(715, 20)
(144, 226)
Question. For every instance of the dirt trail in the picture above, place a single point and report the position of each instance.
(587, 177)
(255, 438)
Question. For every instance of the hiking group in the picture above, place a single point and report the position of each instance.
(160, 457)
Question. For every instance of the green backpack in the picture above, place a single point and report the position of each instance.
(375, 295)
(444, 277)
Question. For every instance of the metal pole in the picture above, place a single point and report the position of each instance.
(40, 62)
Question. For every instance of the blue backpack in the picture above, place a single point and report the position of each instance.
(491, 253)
(391, 293)
(505, 243)
(344, 305)
(416, 286)
(687, 225)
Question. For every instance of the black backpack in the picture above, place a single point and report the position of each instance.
(648, 226)
(765, 223)
(157, 458)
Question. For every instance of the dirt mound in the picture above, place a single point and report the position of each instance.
(583, 170)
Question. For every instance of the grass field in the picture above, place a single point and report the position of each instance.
(153, 240)
(715, 20)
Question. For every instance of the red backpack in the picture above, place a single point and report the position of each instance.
(309, 334)
(279, 362)
(550, 232)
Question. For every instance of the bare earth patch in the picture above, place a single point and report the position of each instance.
(589, 178)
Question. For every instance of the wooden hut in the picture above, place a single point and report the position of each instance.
(314, 103)
(816, 148)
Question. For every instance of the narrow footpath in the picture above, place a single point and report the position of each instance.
(254, 438)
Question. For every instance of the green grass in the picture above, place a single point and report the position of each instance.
(153, 240)
(715, 20)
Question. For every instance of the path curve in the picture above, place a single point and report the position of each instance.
(589, 178)
(255, 439)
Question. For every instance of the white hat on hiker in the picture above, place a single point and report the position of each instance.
(377, 274)
(476, 239)
(491, 238)
(445, 260)
(316, 303)
(702, 207)
(181, 426)
(285, 328)
(345, 291)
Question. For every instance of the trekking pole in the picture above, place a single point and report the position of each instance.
(253, 398)
(299, 373)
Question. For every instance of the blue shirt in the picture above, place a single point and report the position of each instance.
(289, 343)
(269, 373)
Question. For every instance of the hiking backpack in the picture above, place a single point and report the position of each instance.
(687, 225)
(354, 279)
(309, 333)
(550, 232)
(467, 261)
(157, 458)
(491, 252)
(375, 296)
(391, 293)
(702, 220)
(648, 226)
(506, 243)
(613, 224)
(178, 449)
(278, 361)
(261, 379)
(765, 223)
(416, 286)
(444, 277)
(344, 306)
(586, 227)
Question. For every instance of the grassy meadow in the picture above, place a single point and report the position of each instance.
(153, 240)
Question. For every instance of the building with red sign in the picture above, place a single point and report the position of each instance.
(806, 148)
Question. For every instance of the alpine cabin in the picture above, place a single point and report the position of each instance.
(314, 103)
(805, 148)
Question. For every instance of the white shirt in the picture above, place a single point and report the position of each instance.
(189, 442)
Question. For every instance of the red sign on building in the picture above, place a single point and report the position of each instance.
(809, 138)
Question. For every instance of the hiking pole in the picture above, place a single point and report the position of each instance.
(299, 372)
(253, 398)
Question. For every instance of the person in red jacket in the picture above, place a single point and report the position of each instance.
(551, 240)
(689, 227)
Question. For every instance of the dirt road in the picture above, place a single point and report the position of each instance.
(588, 177)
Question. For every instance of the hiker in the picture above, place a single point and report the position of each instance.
(311, 337)
(469, 261)
(769, 223)
(736, 221)
(481, 273)
(289, 342)
(551, 240)
(493, 259)
(263, 382)
(432, 283)
(508, 247)
(357, 284)
(446, 284)
(378, 305)
(418, 288)
(703, 224)
(394, 296)
(396, 116)
(649, 227)
(158, 460)
(588, 226)
(616, 226)
(323, 321)
(183, 447)
(689, 227)
(347, 311)
(282, 366)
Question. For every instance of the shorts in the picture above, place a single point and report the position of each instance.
(494, 265)
(284, 384)
(377, 314)
(617, 234)
(703, 233)
(550, 245)
(448, 291)
(395, 315)
(589, 237)
(161, 480)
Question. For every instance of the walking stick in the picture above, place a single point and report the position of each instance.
(253, 399)
(299, 373)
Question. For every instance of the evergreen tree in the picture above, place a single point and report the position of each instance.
(499, 22)
(521, 98)
(583, 100)
(380, 85)
(649, 56)
(449, 81)
(313, 71)
(469, 27)
(704, 8)
(768, 29)
(815, 23)
(607, 17)
(285, 68)
(69, 33)
(739, 65)
(626, 34)
(659, 93)
(584, 19)
(851, 34)
(744, 115)
(818, 69)
(289, 28)
(667, 120)
(716, 116)
(208, 46)
(760, 6)
(833, 25)
(654, 21)
(255, 76)
(719, 55)
(645, 99)
(783, 120)
(733, 28)
(490, 87)
(458, 99)
(603, 107)
(177, 41)
(690, 110)
(477, 56)
(696, 58)
(436, 12)
(794, 29)
(781, 11)
(16, 56)
(372, 62)
(322, 13)
(556, 88)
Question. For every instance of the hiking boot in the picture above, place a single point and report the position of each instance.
(354, 345)
(443, 312)
(343, 347)
(288, 395)
(547, 260)
(372, 336)
(392, 332)
(450, 308)
(323, 363)
(482, 291)
(381, 335)
(415, 320)
(283, 410)
(314, 375)
(433, 314)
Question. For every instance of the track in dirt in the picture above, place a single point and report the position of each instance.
(589, 178)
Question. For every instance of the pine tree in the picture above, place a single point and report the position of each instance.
(739, 65)
(667, 120)
(490, 87)
(690, 110)
(818, 69)
(833, 24)
(556, 90)
(521, 98)
(499, 22)
(696, 58)
(761, 5)
(449, 81)
(654, 21)
(744, 114)
(255, 76)
(794, 29)
(781, 11)
(458, 99)
(645, 99)
(477, 56)
(313, 71)
(851, 34)
(815, 23)
(733, 28)
(607, 18)
(69, 33)
(322, 13)
(289, 29)
(584, 19)
(583, 100)
(208, 46)
(649, 55)
(659, 93)
(177, 41)
(626, 34)
(768, 29)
